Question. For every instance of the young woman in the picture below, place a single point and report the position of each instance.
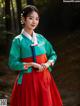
(32, 56)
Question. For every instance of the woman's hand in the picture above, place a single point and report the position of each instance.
(40, 67)
(27, 65)
(47, 64)
(37, 66)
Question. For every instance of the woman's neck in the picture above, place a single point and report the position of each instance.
(28, 31)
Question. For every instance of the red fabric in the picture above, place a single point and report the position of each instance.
(37, 89)
(39, 59)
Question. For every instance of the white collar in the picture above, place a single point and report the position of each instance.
(32, 38)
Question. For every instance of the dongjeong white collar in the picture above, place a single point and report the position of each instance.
(32, 38)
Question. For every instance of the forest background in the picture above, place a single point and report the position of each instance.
(60, 24)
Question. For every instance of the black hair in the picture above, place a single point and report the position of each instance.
(28, 10)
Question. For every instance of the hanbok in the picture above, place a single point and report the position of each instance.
(33, 88)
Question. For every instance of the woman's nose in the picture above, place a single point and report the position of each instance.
(34, 21)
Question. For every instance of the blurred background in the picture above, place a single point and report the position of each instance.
(60, 24)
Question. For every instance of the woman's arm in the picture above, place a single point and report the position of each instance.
(50, 52)
(14, 56)
(51, 55)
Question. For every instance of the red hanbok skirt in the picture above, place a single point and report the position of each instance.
(37, 89)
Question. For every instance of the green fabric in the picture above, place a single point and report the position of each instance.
(39, 49)
(20, 48)
(21, 75)
(14, 57)
(50, 52)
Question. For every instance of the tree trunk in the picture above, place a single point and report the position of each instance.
(14, 28)
(7, 15)
(19, 8)
(7, 25)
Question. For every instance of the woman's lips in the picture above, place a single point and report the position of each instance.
(33, 25)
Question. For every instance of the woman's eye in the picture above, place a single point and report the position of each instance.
(37, 19)
(30, 18)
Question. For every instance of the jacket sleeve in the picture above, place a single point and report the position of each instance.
(14, 56)
(50, 52)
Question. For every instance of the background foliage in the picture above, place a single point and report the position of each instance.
(59, 23)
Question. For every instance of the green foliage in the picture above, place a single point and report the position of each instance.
(14, 3)
(2, 3)
(23, 3)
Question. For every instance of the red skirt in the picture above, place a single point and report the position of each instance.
(37, 89)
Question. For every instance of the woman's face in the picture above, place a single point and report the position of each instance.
(31, 21)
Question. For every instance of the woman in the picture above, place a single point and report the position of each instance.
(32, 56)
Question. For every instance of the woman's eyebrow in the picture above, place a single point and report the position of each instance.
(30, 16)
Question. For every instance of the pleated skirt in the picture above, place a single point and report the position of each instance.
(37, 89)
